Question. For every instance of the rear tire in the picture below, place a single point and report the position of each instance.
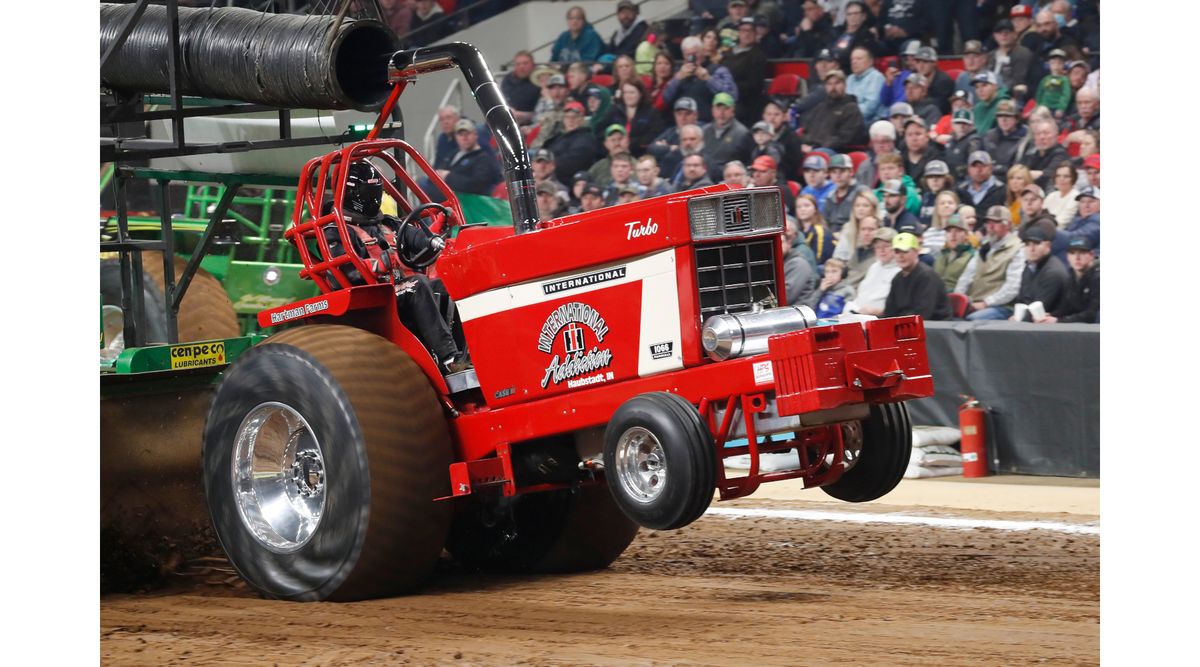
(659, 461)
(206, 312)
(886, 449)
(368, 437)
(572, 530)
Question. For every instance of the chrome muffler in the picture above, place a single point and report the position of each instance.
(730, 336)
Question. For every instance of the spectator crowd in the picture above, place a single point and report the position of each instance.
(910, 186)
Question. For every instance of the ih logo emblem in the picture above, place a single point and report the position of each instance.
(577, 323)
(573, 338)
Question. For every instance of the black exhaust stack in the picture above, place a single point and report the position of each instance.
(518, 172)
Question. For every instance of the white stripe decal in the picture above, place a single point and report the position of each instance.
(660, 323)
(934, 521)
(529, 293)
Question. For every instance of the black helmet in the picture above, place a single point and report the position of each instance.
(364, 189)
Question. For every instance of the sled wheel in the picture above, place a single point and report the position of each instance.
(572, 530)
(659, 461)
(206, 312)
(110, 292)
(886, 445)
(323, 452)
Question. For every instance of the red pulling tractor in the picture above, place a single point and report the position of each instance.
(616, 355)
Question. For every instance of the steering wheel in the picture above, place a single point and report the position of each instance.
(430, 253)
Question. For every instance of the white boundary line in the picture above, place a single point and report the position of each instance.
(938, 522)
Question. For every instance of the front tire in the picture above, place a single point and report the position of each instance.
(883, 458)
(659, 461)
(323, 452)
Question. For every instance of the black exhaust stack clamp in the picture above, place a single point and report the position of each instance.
(518, 172)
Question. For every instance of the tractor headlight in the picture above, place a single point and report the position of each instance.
(271, 276)
(705, 215)
(766, 211)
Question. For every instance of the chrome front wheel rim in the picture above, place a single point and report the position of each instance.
(641, 464)
(279, 477)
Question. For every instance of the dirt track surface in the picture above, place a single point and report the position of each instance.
(761, 591)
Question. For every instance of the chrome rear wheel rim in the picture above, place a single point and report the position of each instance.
(279, 478)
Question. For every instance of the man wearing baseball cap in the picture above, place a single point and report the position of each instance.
(550, 205)
(916, 289)
(1011, 62)
(964, 141)
(993, 276)
(576, 148)
(630, 32)
(981, 189)
(987, 95)
(816, 178)
(726, 138)
(1086, 224)
(549, 110)
(1033, 207)
(839, 202)
(918, 149)
(1082, 302)
(872, 293)
(916, 89)
(1005, 139)
(836, 122)
(1044, 279)
(472, 169)
(544, 171)
(974, 60)
(1022, 20)
(591, 198)
(746, 63)
(616, 142)
(939, 84)
(952, 259)
(665, 147)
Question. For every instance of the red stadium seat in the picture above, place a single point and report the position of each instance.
(603, 80)
(958, 304)
(786, 85)
(953, 74)
(533, 132)
(795, 188)
(501, 191)
(647, 81)
(857, 158)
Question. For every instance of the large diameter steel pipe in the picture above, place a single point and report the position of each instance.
(729, 336)
(283, 60)
(518, 171)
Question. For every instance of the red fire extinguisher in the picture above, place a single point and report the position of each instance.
(971, 421)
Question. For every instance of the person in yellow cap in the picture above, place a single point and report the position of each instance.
(916, 289)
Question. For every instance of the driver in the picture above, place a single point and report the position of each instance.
(424, 305)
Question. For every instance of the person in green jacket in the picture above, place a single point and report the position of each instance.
(1054, 91)
(988, 94)
(954, 256)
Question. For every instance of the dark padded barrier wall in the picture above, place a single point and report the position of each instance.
(1041, 384)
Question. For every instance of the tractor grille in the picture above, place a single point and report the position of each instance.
(732, 277)
(736, 211)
